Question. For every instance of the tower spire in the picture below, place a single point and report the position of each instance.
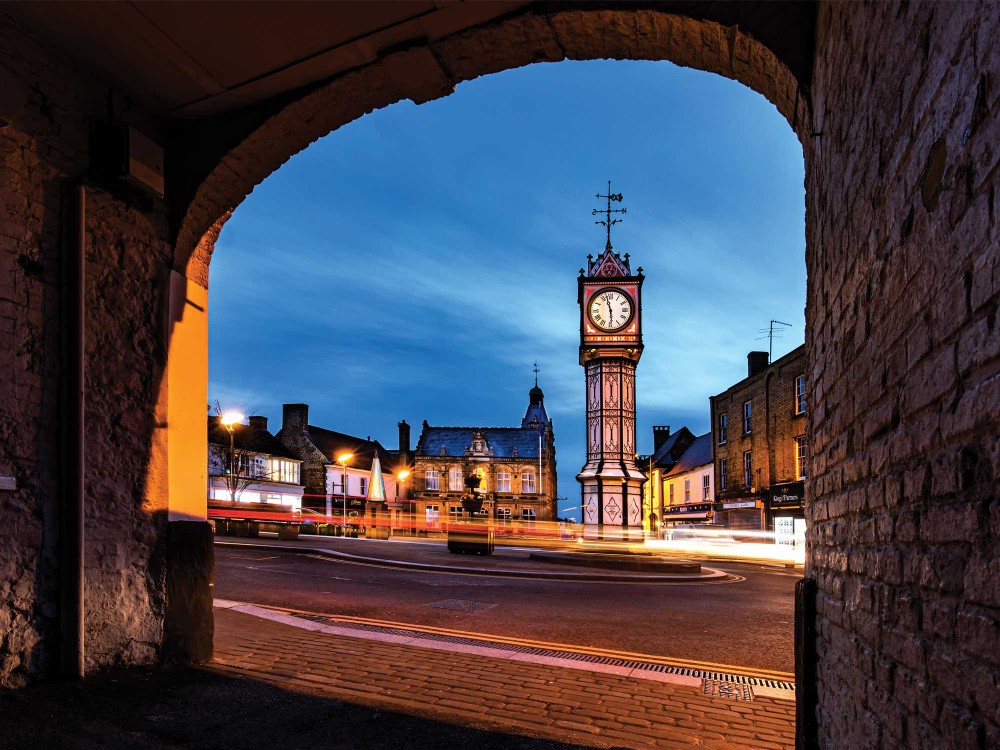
(608, 221)
(535, 368)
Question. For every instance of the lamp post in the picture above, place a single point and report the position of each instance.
(229, 420)
(401, 477)
(342, 459)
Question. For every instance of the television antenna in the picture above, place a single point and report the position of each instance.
(771, 333)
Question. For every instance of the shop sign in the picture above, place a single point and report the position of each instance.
(697, 508)
(785, 501)
(740, 504)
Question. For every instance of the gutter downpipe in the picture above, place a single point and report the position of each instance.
(72, 447)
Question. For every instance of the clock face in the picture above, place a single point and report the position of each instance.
(610, 309)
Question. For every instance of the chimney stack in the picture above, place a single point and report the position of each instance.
(257, 423)
(404, 437)
(295, 417)
(757, 362)
(660, 435)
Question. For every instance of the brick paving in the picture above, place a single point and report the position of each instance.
(570, 705)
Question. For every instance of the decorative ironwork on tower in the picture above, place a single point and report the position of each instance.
(608, 221)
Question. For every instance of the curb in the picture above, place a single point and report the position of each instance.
(715, 576)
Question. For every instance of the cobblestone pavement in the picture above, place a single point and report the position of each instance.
(587, 708)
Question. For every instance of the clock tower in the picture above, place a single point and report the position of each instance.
(610, 347)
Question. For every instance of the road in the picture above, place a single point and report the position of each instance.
(746, 623)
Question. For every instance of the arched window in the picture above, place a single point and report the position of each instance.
(528, 480)
(432, 480)
(455, 483)
(481, 473)
(503, 480)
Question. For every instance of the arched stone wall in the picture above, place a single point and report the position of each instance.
(430, 71)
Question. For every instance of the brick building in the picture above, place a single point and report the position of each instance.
(516, 467)
(760, 446)
(688, 486)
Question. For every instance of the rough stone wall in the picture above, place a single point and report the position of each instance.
(904, 343)
(40, 151)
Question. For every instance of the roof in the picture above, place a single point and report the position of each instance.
(258, 441)
(332, 444)
(698, 454)
(665, 455)
(502, 441)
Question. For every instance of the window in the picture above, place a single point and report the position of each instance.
(527, 481)
(283, 471)
(503, 515)
(455, 512)
(431, 480)
(431, 516)
(503, 480)
(481, 473)
(800, 457)
(363, 484)
(687, 490)
(671, 493)
(723, 428)
(528, 515)
(800, 394)
(705, 485)
(723, 482)
(747, 469)
(747, 419)
(455, 483)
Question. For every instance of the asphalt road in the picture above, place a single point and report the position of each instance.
(747, 623)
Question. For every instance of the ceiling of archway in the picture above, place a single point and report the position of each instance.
(185, 60)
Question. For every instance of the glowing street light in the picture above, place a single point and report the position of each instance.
(342, 459)
(401, 477)
(229, 420)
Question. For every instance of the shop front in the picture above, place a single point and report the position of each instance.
(696, 513)
(786, 513)
(741, 514)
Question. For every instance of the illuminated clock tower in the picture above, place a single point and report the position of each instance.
(610, 347)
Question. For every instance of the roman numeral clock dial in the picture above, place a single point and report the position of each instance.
(610, 310)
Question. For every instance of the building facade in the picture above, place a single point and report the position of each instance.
(338, 490)
(668, 447)
(249, 465)
(516, 467)
(688, 487)
(760, 447)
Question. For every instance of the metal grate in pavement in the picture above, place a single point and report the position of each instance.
(462, 605)
(728, 690)
(703, 674)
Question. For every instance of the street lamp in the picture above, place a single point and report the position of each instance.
(401, 476)
(342, 459)
(229, 420)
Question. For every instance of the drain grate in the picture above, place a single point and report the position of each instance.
(727, 690)
(462, 605)
(738, 681)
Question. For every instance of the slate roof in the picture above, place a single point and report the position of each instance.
(664, 456)
(456, 440)
(698, 454)
(332, 444)
(259, 441)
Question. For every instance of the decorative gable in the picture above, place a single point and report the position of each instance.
(609, 265)
(479, 446)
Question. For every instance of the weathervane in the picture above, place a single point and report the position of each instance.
(536, 371)
(608, 221)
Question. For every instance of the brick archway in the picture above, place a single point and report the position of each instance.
(430, 71)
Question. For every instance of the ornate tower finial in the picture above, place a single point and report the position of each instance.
(536, 370)
(608, 221)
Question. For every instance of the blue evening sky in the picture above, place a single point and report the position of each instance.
(413, 264)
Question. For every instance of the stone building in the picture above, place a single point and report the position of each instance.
(760, 446)
(516, 467)
(318, 449)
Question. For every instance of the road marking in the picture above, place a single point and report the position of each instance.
(294, 617)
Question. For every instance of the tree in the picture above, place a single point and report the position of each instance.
(236, 446)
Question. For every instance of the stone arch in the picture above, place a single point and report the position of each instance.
(431, 70)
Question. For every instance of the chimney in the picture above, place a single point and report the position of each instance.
(295, 417)
(404, 437)
(257, 423)
(660, 435)
(756, 362)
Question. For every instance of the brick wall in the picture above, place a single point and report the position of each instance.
(903, 339)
